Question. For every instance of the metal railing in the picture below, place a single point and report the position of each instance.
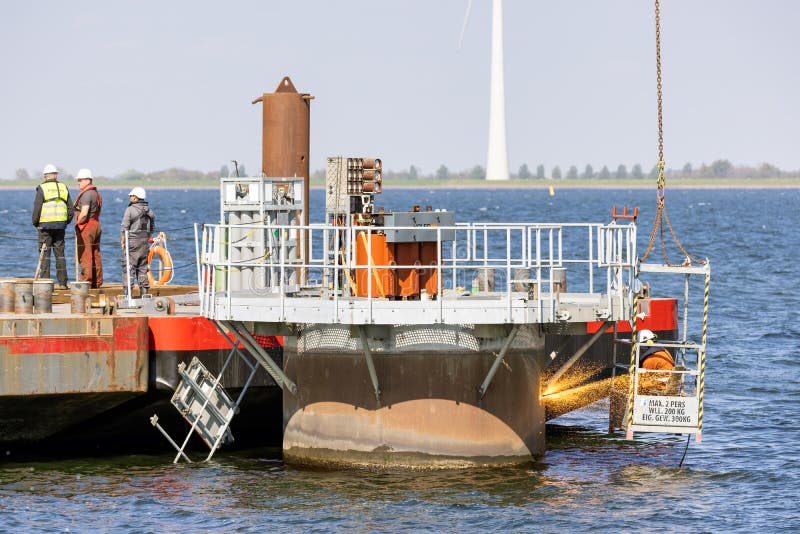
(527, 259)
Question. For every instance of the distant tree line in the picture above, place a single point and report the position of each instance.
(721, 168)
(173, 174)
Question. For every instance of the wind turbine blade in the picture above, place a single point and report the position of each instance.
(464, 26)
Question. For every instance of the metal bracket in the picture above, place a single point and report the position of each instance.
(193, 414)
(498, 359)
(266, 361)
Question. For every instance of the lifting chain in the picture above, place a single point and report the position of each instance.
(661, 210)
(661, 179)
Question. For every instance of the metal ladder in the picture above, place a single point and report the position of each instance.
(205, 404)
(670, 401)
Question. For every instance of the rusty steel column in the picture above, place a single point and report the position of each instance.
(430, 413)
(285, 136)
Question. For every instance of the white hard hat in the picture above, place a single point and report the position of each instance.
(646, 335)
(50, 169)
(138, 192)
(84, 173)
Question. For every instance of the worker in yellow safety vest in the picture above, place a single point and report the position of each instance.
(52, 211)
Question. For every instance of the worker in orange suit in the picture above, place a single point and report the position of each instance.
(654, 357)
(88, 205)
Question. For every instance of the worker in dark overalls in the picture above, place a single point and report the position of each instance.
(88, 205)
(139, 222)
(52, 211)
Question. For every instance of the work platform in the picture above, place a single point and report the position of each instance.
(264, 278)
(409, 339)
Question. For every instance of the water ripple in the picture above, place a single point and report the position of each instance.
(742, 478)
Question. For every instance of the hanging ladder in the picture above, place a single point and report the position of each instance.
(670, 401)
(205, 404)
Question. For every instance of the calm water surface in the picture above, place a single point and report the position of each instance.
(743, 477)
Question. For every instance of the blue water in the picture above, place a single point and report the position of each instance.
(743, 477)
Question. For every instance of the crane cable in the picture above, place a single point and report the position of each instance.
(661, 211)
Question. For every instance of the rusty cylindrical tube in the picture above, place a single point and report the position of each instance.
(7, 296)
(23, 301)
(43, 296)
(78, 293)
(285, 137)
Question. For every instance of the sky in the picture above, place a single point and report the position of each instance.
(151, 84)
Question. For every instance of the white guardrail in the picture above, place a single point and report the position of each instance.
(267, 262)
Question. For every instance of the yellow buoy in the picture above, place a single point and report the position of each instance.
(552, 192)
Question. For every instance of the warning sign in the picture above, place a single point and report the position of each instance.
(665, 411)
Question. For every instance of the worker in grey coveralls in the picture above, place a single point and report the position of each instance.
(140, 223)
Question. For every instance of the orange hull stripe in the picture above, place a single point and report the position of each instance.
(176, 333)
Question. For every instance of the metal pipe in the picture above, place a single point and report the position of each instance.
(77, 275)
(198, 260)
(684, 337)
(498, 359)
(591, 267)
(39, 265)
(154, 422)
(285, 142)
(128, 285)
(613, 381)
(370, 365)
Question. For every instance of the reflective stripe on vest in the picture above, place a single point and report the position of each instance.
(54, 207)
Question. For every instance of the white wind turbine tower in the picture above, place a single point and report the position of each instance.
(497, 160)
